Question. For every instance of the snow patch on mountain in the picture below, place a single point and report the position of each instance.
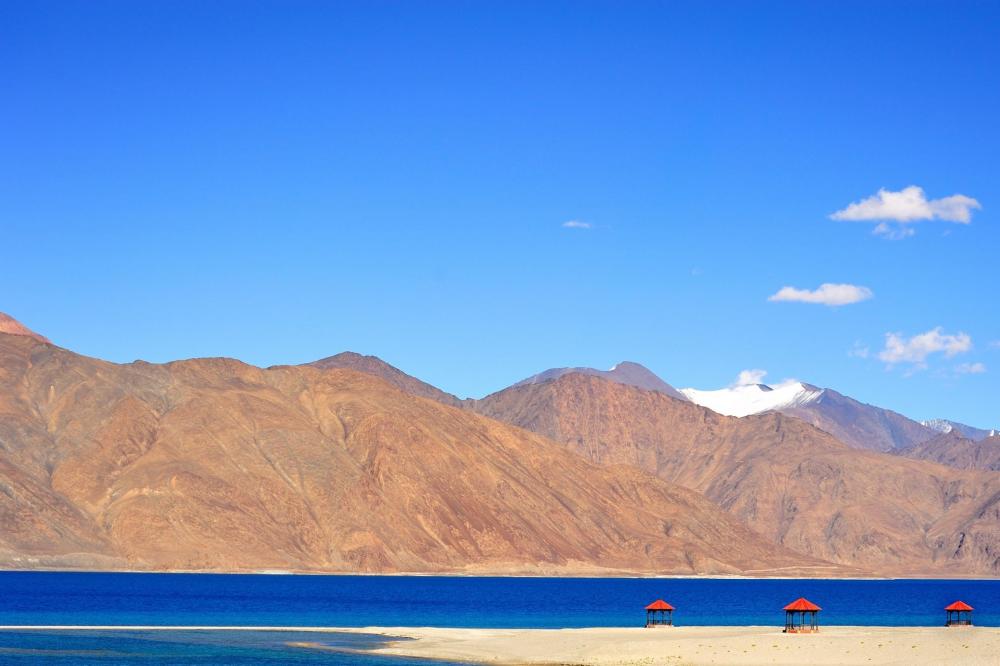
(945, 426)
(747, 399)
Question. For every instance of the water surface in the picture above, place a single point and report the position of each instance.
(50, 598)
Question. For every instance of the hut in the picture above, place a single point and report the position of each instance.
(800, 616)
(955, 618)
(659, 614)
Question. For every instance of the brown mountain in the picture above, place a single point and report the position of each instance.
(214, 464)
(626, 372)
(853, 422)
(11, 326)
(373, 365)
(954, 450)
(783, 477)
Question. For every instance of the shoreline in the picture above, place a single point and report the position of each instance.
(693, 646)
(447, 574)
(638, 646)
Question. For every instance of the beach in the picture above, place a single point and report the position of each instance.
(618, 646)
(698, 645)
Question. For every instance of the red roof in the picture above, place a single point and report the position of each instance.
(958, 606)
(659, 604)
(802, 604)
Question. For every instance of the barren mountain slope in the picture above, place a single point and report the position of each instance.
(12, 326)
(861, 425)
(783, 477)
(626, 372)
(954, 450)
(214, 464)
(373, 365)
(855, 423)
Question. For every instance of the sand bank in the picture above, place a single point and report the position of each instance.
(699, 645)
(674, 646)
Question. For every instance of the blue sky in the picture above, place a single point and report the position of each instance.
(283, 181)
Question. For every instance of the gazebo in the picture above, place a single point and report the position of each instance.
(955, 618)
(795, 616)
(659, 614)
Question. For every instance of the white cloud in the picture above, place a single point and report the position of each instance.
(577, 224)
(970, 369)
(859, 350)
(995, 344)
(893, 231)
(827, 294)
(748, 377)
(915, 350)
(894, 210)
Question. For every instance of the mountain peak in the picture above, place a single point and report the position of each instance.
(747, 399)
(946, 426)
(373, 365)
(629, 373)
(11, 326)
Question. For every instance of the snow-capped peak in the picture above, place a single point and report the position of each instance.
(941, 425)
(746, 399)
(945, 426)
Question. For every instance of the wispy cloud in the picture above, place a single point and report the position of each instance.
(995, 344)
(893, 211)
(970, 369)
(859, 350)
(748, 377)
(893, 231)
(577, 224)
(916, 349)
(827, 294)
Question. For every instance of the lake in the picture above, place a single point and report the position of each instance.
(55, 598)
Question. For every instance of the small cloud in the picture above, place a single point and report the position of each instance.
(995, 344)
(893, 231)
(827, 294)
(915, 350)
(577, 224)
(859, 350)
(894, 210)
(970, 369)
(749, 377)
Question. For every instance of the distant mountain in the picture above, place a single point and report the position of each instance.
(373, 365)
(626, 372)
(11, 326)
(946, 426)
(954, 450)
(216, 465)
(754, 398)
(785, 478)
(855, 423)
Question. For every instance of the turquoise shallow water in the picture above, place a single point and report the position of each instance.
(43, 598)
(189, 647)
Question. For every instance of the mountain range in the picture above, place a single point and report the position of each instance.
(855, 423)
(349, 464)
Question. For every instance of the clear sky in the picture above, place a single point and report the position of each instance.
(282, 181)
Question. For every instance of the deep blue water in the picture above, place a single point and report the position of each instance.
(309, 601)
(357, 601)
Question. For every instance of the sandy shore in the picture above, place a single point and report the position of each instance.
(699, 645)
(651, 647)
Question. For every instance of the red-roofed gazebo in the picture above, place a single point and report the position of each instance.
(795, 616)
(659, 614)
(958, 608)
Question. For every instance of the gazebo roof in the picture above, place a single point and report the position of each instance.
(802, 604)
(659, 604)
(958, 606)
